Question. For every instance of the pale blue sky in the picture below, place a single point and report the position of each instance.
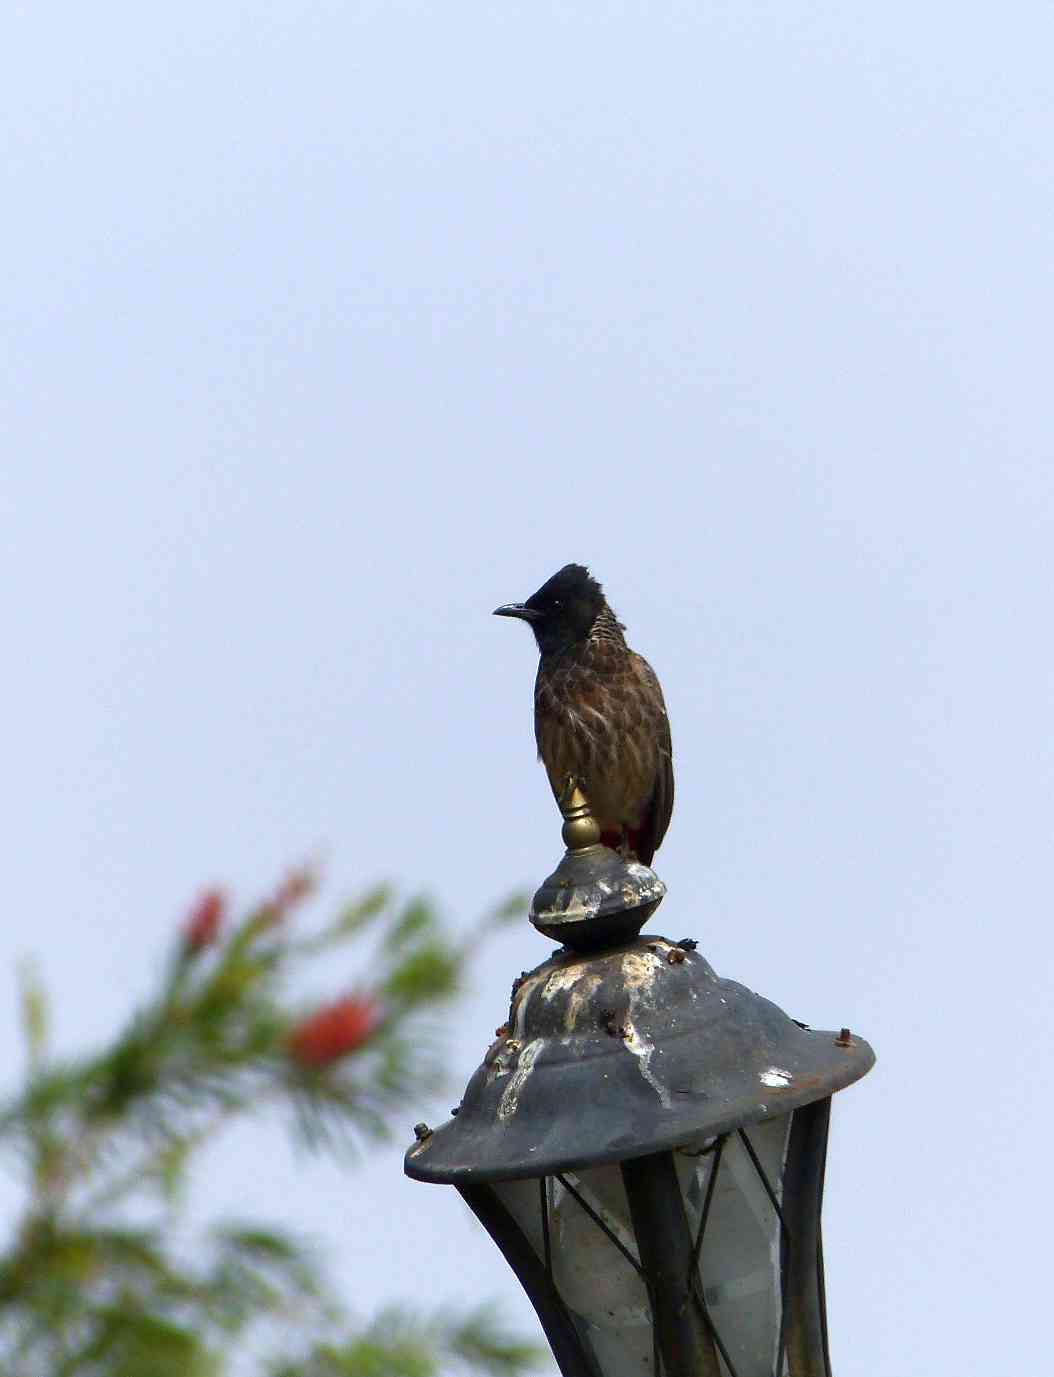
(328, 327)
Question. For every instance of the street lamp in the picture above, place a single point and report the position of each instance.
(645, 1142)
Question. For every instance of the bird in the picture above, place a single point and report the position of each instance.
(599, 716)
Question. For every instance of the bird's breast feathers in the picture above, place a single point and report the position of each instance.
(593, 720)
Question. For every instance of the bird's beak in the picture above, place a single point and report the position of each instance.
(518, 609)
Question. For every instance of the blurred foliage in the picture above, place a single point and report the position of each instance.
(98, 1278)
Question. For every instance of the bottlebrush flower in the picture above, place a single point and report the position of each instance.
(202, 924)
(334, 1031)
(298, 885)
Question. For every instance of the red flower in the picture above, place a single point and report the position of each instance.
(297, 885)
(202, 924)
(334, 1031)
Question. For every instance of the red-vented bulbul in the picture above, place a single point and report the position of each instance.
(599, 714)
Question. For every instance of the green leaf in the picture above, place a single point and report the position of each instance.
(260, 1243)
(130, 1342)
(171, 1168)
(428, 974)
(510, 910)
(399, 1343)
(34, 1013)
(417, 917)
(351, 920)
(481, 1342)
(363, 910)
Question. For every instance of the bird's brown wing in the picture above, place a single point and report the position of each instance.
(659, 810)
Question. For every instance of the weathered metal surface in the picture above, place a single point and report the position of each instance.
(622, 1052)
(595, 898)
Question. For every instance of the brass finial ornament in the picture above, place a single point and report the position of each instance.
(580, 828)
(595, 897)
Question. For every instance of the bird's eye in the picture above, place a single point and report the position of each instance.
(558, 602)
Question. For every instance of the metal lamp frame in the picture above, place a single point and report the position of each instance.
(623, 1056)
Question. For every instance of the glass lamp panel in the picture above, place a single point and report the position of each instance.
(522, 1200)
(740, 1255)
(595, 1278)
(743, 1252)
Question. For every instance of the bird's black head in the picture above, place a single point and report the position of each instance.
(562, 611)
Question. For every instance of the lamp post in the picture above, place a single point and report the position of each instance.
(645, 1143)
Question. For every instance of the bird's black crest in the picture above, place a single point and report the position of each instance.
(571, 584)
(566, 608)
